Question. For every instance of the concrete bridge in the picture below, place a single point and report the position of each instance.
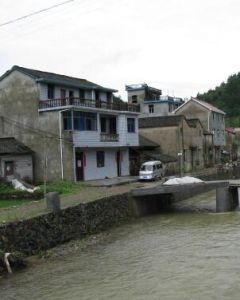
(150, 200)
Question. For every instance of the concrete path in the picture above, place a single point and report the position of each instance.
(108, 182)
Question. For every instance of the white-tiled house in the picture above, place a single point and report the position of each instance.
(91, 133)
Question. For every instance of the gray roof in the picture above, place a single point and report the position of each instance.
(11, 146)
(53, 78)
(156, 155)
(160, 121)
(146, 143)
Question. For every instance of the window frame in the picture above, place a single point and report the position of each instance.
(131, 127)
(100, 159)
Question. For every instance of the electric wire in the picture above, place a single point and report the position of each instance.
(35, 13)
(41, 133)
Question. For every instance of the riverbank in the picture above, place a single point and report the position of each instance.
(86, 213)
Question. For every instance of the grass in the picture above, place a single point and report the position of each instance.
(10, 203)
(63, 187)
(7, 188)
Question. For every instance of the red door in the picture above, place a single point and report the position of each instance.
(79, 166)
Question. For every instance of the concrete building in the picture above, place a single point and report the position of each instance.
(213, 122)
(16, 160)
(151, 100)
(73, 125)
(178, 137)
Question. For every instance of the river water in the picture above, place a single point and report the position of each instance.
(190, 253)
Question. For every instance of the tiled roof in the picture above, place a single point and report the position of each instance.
(146, 143)
(208, 106)
(156, 155)
(160, 121)
(11, 146)
(54, 78)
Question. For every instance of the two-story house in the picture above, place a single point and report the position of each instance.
(74, 127)
(213, 121)
(151, 100)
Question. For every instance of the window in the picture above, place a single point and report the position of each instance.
(151, 108)
(134, 99)
(67, 120)
(103, 124)
(131, 124)
(71, 94)
(63, 93)
(100, 159)
(84, 121)
(81, 94)
(50, 91)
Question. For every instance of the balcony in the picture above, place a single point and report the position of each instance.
(78, 102)
(109, 137)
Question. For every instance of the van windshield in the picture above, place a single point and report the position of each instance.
(146, 168)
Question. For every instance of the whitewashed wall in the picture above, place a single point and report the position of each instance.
(43, 92)
(91, 171)
(92, 138)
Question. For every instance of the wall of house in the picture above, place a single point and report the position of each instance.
(160, 108)
(167, 137)
(193, 139)
(194, 111)
(23, 167)
(211, 121)
(217, 125)
(20, 119)
(92, 138)
(91, 171)
(140, 97)
(88, 94)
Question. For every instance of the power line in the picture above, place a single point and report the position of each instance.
(41, 133)
(35, 13)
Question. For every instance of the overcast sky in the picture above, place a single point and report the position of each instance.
(180, 46)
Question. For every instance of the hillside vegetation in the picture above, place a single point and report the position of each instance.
(227, 98)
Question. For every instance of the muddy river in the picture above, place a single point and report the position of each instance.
(188, 253)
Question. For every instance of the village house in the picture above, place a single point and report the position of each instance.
(151, 100)
(178, 137)
(146, 151)
(213, 122)
(74, 127)
(16, 160)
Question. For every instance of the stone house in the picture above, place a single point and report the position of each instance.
(151, 100)
(178, 137)
(213, 122)
(73, 125)
(146, 151)
(16, 160)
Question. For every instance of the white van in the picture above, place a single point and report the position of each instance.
(151, 170)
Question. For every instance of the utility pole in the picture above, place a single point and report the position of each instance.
(45, 166)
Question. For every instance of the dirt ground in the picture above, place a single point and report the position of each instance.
(87, 193)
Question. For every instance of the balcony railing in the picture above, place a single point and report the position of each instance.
(109, 137)
(52, 103)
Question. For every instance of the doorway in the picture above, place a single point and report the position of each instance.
(79, 166)
(118, 158)
(8, 168)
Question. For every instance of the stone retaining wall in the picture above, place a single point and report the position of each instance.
(21, 195)
(46, 231)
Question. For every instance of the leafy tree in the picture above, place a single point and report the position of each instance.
(227, 98)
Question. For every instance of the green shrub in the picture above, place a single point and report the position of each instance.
(63, 187)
